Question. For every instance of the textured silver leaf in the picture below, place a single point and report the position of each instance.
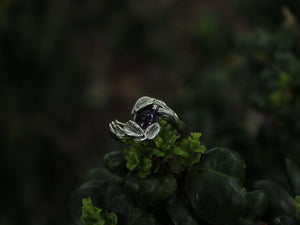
(132, 129)
(142, 103)
(152, 131)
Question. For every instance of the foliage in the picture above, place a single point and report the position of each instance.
(206, 190)
(174, 180)
(283, 198)
(91, 215)
(231, 72)
(165, 149)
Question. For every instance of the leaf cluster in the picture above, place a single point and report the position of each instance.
(284, 197)
(166, 150)
(91, 215)
(211, 192)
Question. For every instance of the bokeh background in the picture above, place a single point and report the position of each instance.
(229, 68)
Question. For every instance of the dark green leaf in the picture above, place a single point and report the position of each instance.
(284, 220)
(101, 189)
(176, 167)
(151, 188)
(293, 172)
(224, 161)
(128, 213)
(281, 203)
(103, 174)
(179, 211)
(216, 197)
(111, 219)
(115, 162)
(146, 219)
(258, 205)
(158, 153)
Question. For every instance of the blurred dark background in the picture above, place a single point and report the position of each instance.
(229, 68)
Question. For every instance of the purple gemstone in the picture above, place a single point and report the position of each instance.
(145, 118)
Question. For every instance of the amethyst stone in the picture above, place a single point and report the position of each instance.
(146, 117)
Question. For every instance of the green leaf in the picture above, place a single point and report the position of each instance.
(151, 188)
(194, 159)
(225, 161)
(293, 172)
(132, 159)
(179, 211)
(281, 203)
(195, 135)
(216, 197)
(115, 162)
(159, 142)
(128, 213)
(145, 169)
(181, 152)
(102, 187)
(200, 149)
(258, 205)
(297, 206)
(90, 213)
(166, 137)
(111, 219)
(158, 153)
(190, 150)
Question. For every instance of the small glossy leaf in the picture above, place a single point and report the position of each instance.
(115, 162)
(216, 197)
(293, 172)
(258, 205)
(122, 206)
(179, 211)
(151, 188)
(281, 203)
(224, 161)
(128, 213)
(103, 174)
(111, 219)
